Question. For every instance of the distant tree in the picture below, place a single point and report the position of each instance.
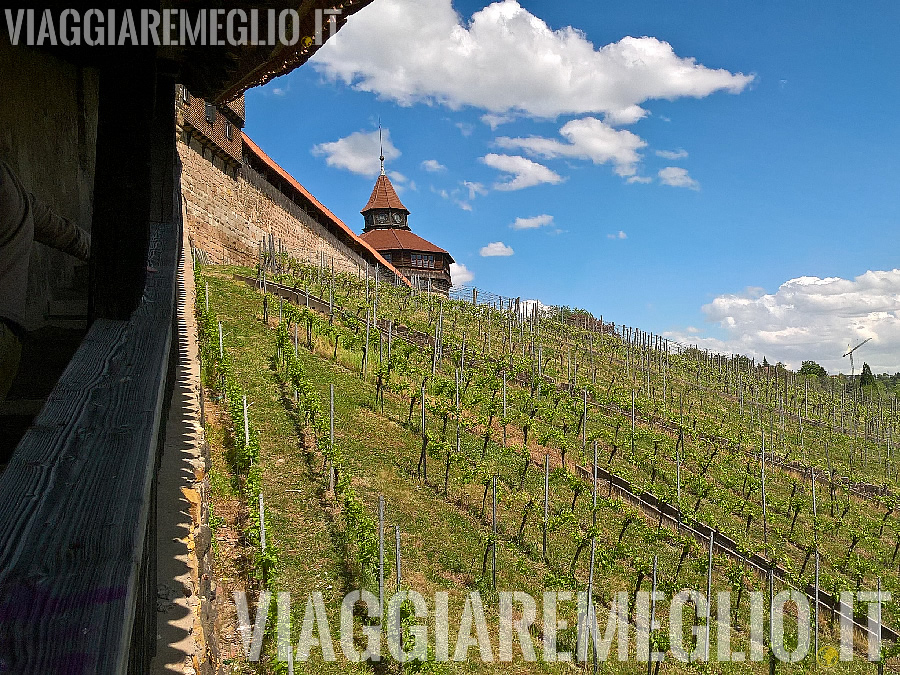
(765, 363)
(812, 368)
(866, 377)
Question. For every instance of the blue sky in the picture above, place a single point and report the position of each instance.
(768, 226)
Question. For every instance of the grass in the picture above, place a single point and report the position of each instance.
(443, 539)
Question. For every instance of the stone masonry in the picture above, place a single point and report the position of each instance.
(227, 217)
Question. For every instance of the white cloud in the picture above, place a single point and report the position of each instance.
(454, 195)
(681, 153)
(639, 179)
(588, 138)
(465, 128)
(522, 172)
(812, 318)
(358, 152)
(617, 235)
(433, 165)
(281, 91)
(496, 248)
(506, 60)
(532, 223)
(677, 177)
(401, 182)
(493, 120)
(460, 274)
(474, 188)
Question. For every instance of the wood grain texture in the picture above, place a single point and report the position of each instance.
(75, 500)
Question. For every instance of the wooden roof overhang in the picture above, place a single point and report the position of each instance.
(216, 73)
(395, 239)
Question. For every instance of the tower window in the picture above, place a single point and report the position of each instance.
(185, 95)
(210, 113)
(229, 130)
(422, 260)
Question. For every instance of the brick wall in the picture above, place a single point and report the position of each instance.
(226, 217)
(225, 134)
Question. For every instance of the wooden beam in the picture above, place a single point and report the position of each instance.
(122, 184)
(77, 506)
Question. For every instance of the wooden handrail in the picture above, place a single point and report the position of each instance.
(78, 499)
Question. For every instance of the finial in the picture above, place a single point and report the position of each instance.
(381, 144)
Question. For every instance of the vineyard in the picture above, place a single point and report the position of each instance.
(486, 444)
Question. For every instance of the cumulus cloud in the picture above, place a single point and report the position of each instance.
(496, 248)
(677, 177)
(811, 318)
(521, 172)
(617, 235)
(532, 223)
(640, 179)
(505, 60)
(681, 153)
(460, 274)
(358, 152)
(587, 138)
(433, 166)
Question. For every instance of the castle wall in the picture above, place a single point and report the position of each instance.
(227, 215)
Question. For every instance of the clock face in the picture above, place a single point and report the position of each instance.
(398, 218)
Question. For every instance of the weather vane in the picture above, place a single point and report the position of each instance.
(381, 146)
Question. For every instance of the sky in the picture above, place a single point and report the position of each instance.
(722, 173)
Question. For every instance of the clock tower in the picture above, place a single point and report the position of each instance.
(384, 210)
(386, 229)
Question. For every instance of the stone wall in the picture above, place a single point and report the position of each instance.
(227, 216)
(48, 133)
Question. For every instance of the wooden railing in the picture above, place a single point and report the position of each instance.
(78, 499)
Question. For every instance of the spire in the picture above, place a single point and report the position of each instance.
(384, 196)
(381, 145)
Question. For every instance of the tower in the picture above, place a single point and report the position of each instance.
(386, 229)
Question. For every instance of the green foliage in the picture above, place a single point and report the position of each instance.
(866, 379)
(812, 368)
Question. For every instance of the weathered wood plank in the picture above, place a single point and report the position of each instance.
(75, 500)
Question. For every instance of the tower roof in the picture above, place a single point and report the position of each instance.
(400, 240)
(384, 196)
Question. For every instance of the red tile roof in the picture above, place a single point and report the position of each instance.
(343, 232)
(391, 239)
(384, 196)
